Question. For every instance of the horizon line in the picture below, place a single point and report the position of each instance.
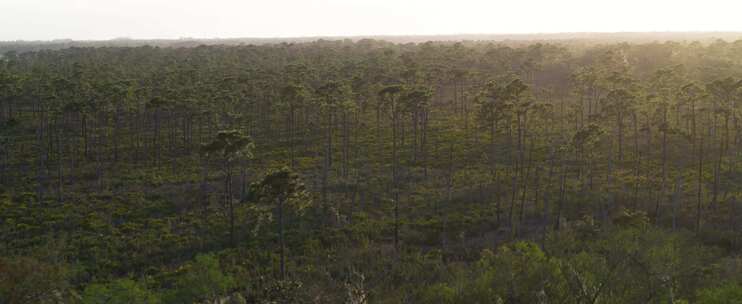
(368, 36)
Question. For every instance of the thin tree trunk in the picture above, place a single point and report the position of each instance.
(676, 201)
(700, 184)
(60, 176)
(396, 220)
(40, 177)
(637, 161)
(281, 238)
(546, 210)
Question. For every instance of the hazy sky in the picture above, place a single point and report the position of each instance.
(105, 19)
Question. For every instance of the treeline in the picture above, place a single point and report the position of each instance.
(446, 148)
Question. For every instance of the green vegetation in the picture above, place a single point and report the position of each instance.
(372, 172)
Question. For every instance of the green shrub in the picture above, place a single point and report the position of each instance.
(730, 293)
(121, 291)
(202, 280)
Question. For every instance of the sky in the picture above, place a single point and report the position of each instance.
(147, 19)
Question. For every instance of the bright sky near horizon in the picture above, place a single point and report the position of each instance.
(106, 19)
